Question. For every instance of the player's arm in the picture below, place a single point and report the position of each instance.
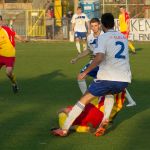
(97, 60)
(81, 55)
(128, 25)
(18, 37)
(128, 22)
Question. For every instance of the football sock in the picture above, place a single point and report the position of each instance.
(129, 98)
(131, 46)
(62, 117)
(12, 79)
(84, 46)
(73, 114)
(108, 105)
(82, 86)
(78, 46)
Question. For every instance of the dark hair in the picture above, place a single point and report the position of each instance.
(1, 18)
(107, 20)
(95, 20)
(122, 7)
(79, 7)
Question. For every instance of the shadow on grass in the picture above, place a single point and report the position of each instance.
(26, 127)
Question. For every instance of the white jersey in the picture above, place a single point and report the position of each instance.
(80, 22)
(115, 66)
(92, 43)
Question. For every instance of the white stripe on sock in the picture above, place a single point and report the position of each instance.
(73, 114)
(82, 86)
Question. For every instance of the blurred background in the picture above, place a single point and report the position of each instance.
(51, 19)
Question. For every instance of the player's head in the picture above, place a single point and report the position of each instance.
(95, 25)
(107, 21)
(122, 9)
(1, 20)
(79, 10)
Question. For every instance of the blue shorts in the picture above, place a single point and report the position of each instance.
(92, 73)
(80, 35)
(104, 87)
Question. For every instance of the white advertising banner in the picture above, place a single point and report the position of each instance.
(139, 29)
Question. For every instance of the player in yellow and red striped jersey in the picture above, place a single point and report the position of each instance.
(7, 51)
(93, 114)
(124, 21)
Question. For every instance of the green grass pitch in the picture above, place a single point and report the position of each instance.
(48, 82)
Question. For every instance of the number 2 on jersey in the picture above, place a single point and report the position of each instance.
(119, 54)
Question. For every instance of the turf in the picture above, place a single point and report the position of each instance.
(48, 82)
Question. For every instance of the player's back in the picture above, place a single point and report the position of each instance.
(115, 65)
(7, 42)
(123, 21)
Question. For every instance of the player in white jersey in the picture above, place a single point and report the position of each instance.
(79, 22)
(92, 40)
(111, 54)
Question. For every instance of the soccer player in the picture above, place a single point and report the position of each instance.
(124, 21)
(92, 42)
(113, 76)
(7, 52)
(79, 22)
(92, 115)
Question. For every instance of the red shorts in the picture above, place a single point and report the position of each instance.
(90, 115)
(7, 61)
(126, 34)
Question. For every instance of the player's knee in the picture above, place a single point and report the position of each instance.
(77, 40)
(9, 72)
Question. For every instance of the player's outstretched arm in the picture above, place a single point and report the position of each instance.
(18, 37)
(81, 55)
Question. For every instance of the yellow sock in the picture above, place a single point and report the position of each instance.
(131, 47)
(13, 79)
(62, 118)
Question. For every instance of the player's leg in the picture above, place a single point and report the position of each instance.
(11, 76)
(74, 113)
(131, 47)
(9, 63)
(77, 39)
(2, 62)
(108, 106)
(82, 83)
(119, 101)
(131, 102)
(130, 44)
(84, 45)
(97, 88)
(84, 41)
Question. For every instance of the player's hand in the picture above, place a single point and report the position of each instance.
(81, 76)
(73, 61)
